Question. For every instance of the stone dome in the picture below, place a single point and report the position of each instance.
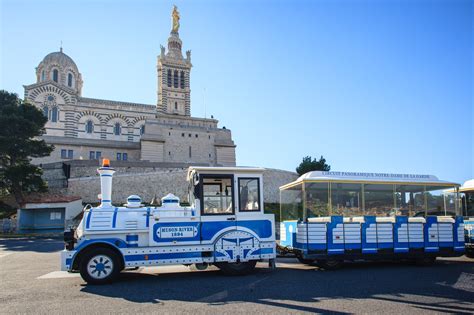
(60, 68)
(61, 59)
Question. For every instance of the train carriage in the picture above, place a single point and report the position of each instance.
(329, 217)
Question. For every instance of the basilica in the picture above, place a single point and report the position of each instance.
(84, 128)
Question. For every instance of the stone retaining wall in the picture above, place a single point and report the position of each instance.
(159, 183)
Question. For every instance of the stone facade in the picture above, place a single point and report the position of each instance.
(86, 128)
(150, 184)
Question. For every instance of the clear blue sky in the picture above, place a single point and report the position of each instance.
(381, 86)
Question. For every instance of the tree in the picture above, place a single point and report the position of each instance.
(21, 123)
(308, 165)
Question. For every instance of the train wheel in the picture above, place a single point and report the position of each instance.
(235, 269)
(331, 264)
(100, 266)
(305, 261)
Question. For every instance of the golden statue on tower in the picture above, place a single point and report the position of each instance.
(175, 16)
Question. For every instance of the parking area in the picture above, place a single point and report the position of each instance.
(31, 283)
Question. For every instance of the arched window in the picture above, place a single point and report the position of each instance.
(89, 126)
(176, 105)
(182, 79)
(169, 78)
(54, 114)
(142, 129)
(55, 75)
(69, 79)
(176, 78)
(117, 129)
(42, 75)
(46, 111)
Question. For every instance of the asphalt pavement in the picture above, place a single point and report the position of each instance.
(30, 282)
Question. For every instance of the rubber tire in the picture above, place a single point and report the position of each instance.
(425, 261)
(305, 261)
(237, 269)
(331, 264)
(100, 251)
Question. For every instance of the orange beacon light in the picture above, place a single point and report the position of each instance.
(105, 163)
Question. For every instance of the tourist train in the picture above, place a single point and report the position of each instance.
(325, 219)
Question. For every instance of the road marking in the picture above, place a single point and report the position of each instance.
(465, 282)
(59, 275)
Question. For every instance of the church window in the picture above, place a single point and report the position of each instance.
(98, 155)
(142, 129)
(196, 135)
(189, 135)
(91, 155)
(124, 156)
(176, 105)
(117, 129)
(182, 135)
(46, 111)
(55, 75)
(42, 75)
(119, 156)
(54, 114)
(175, 79)
(69, 80)
(209, 137)
(190, 153)
(89, 126)
(169, 78)
(182, 79)
(67, 154)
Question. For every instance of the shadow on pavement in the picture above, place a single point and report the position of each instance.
(32, 244)
(452, 282)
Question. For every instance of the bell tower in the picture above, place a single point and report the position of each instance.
(174, 93)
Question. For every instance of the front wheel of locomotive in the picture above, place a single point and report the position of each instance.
(237, 268)
(100, 266)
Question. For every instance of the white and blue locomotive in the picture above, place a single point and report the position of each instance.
(224, 225)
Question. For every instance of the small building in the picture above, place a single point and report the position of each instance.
(45, 213)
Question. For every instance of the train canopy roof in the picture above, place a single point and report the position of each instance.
(369, 178)
(223, 170)
(468, 186)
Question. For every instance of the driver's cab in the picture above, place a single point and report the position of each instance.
(230, 192)
(229, 203)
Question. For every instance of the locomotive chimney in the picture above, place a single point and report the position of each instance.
(106, 173)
